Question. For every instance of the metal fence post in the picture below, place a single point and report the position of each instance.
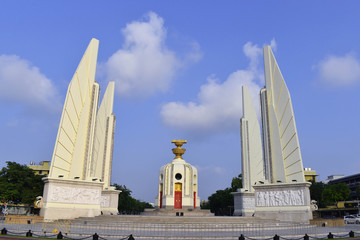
(351, 234)
(95, 237)
(3, 231)
(59, 236)
(131, 237)
(29, 234)
(276, 237)
(330, 236)
(306, 237)
(241, 237)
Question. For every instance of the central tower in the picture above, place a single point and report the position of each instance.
(178, 182)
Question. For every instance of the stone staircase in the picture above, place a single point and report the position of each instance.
(175, 219)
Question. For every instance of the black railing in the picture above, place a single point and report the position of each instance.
(351, 234)
(95, 236)
(29, 234)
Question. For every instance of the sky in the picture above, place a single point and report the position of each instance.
(178, 68)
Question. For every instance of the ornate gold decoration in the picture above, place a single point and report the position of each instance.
(178, 151)
(178, 187)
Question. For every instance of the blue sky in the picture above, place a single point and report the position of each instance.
(179, 67)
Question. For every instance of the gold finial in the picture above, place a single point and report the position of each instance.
(178, 151)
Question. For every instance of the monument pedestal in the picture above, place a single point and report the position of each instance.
(244, 203)
(283, 201)
(68, 199)
(186, 212)
(109, 201)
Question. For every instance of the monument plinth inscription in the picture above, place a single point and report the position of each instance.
(280, 198)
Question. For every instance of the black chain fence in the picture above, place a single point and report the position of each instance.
(95, 236)
(351, 234)
(30, 234)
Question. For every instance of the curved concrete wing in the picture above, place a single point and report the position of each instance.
(104, 138)
(76, 128)
(283, 156)
(251, 147)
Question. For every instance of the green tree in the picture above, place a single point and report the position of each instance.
(334, 193)
(205, 205)
(19, 184)
(236, 183)
(222, 201)
(316, 190)
(128, 204)
(358, 192)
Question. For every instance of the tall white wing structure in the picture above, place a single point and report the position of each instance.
(79, 181)
(285, 195)
(283, 162)
(251, 147)
(104, 138)
(73, 144)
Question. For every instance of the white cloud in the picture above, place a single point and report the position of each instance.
(273, 44)
(219, 104)
(23, 83)
(252, 52)
(144, 65)
(337, 71)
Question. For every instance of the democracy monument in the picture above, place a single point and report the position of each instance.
(78, 184)
(273, 178)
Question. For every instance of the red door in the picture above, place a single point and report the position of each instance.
(194, 200)
(160, 199)
(178, 199)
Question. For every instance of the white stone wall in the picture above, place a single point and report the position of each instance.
(244, 203)
(280, 198)
(284, 202)
(109, 202)
(68, 199)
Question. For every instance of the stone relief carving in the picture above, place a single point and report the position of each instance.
(105, 201)
(280, 198)
(248, 203)
(74, 195)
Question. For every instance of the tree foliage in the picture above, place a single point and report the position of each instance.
(236, 183)
(128, 204)
(19, 184)
(205, 204)
(358, 192)
(316, 190)
(222, 201)
(334, 193)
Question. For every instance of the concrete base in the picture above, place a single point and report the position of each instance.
(244, 203)
(187, 202)
(69, 199)
(283, 202)
(109, 201)
(177, 212)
